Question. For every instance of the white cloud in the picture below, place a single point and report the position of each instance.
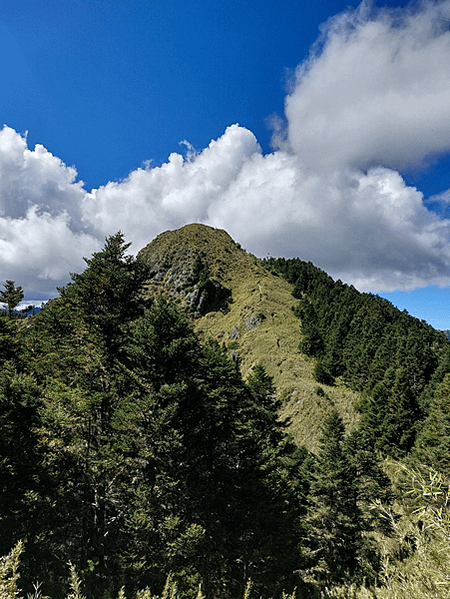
(182, 190)
(373, 96)
(375, 90)
(35, 178)
(42, 243)
(40, 210)
(369, 229)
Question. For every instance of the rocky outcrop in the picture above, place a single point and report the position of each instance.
(186, 277)
(251, 321)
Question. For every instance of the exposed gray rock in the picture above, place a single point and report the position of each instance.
(235, 357)
(234, 334)
(188, 279)
(251, 321)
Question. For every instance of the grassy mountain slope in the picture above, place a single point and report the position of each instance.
(233, 299)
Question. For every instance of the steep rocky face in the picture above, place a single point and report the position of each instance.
(185, 266)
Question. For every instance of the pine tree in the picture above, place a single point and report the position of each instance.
(346, 479)
(11, 296)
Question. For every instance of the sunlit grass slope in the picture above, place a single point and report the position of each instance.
(256, 324)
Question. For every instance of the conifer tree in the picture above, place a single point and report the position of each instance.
(346, 480)
(86, 432)
(154, 455)
(11, 296)
(433, 442)
(109, 290)
(333, 513)
(390, 414)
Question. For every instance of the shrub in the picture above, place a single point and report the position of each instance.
(322, 375)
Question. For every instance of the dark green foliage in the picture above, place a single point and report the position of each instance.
(214, 296)
(433, 443)
(8, 340)
(346, 480)
(11, 296)
(436, 379)
(108, 292)
(199, 268)
(133, 451)
(19, 404)
(390, 356)
(322, 375)
(390, 415)
(333, 517)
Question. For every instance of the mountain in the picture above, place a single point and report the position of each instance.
(327, 346)
(231, 297)
(141, 440)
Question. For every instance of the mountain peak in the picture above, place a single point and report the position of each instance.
(191, 265)
(232, 298)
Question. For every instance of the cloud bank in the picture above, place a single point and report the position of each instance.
(371, 101)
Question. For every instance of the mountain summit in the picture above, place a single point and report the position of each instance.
(232, 298)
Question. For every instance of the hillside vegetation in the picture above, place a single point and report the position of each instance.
(255, 320)
(393, 359)
(145, 450)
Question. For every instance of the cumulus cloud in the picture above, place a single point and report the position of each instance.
(153, 199)
(368, 228)
(375, 90)
(372, 99)
(41, 236)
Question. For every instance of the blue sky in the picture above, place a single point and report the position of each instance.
(106, 85)
(313, 130)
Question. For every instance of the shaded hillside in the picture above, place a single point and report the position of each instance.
(233, 299)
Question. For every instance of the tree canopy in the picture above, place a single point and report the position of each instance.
(134, 451)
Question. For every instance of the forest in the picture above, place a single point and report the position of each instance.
(135, 460)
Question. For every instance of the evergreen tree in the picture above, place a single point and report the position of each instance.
(152, 455)
(346, 480)
(11, 296)
(321, 374)
(390, 356)
(90, 401)
(333, 514)
(19, 455)
(110, 290)
(433, 442)
(390, 415)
